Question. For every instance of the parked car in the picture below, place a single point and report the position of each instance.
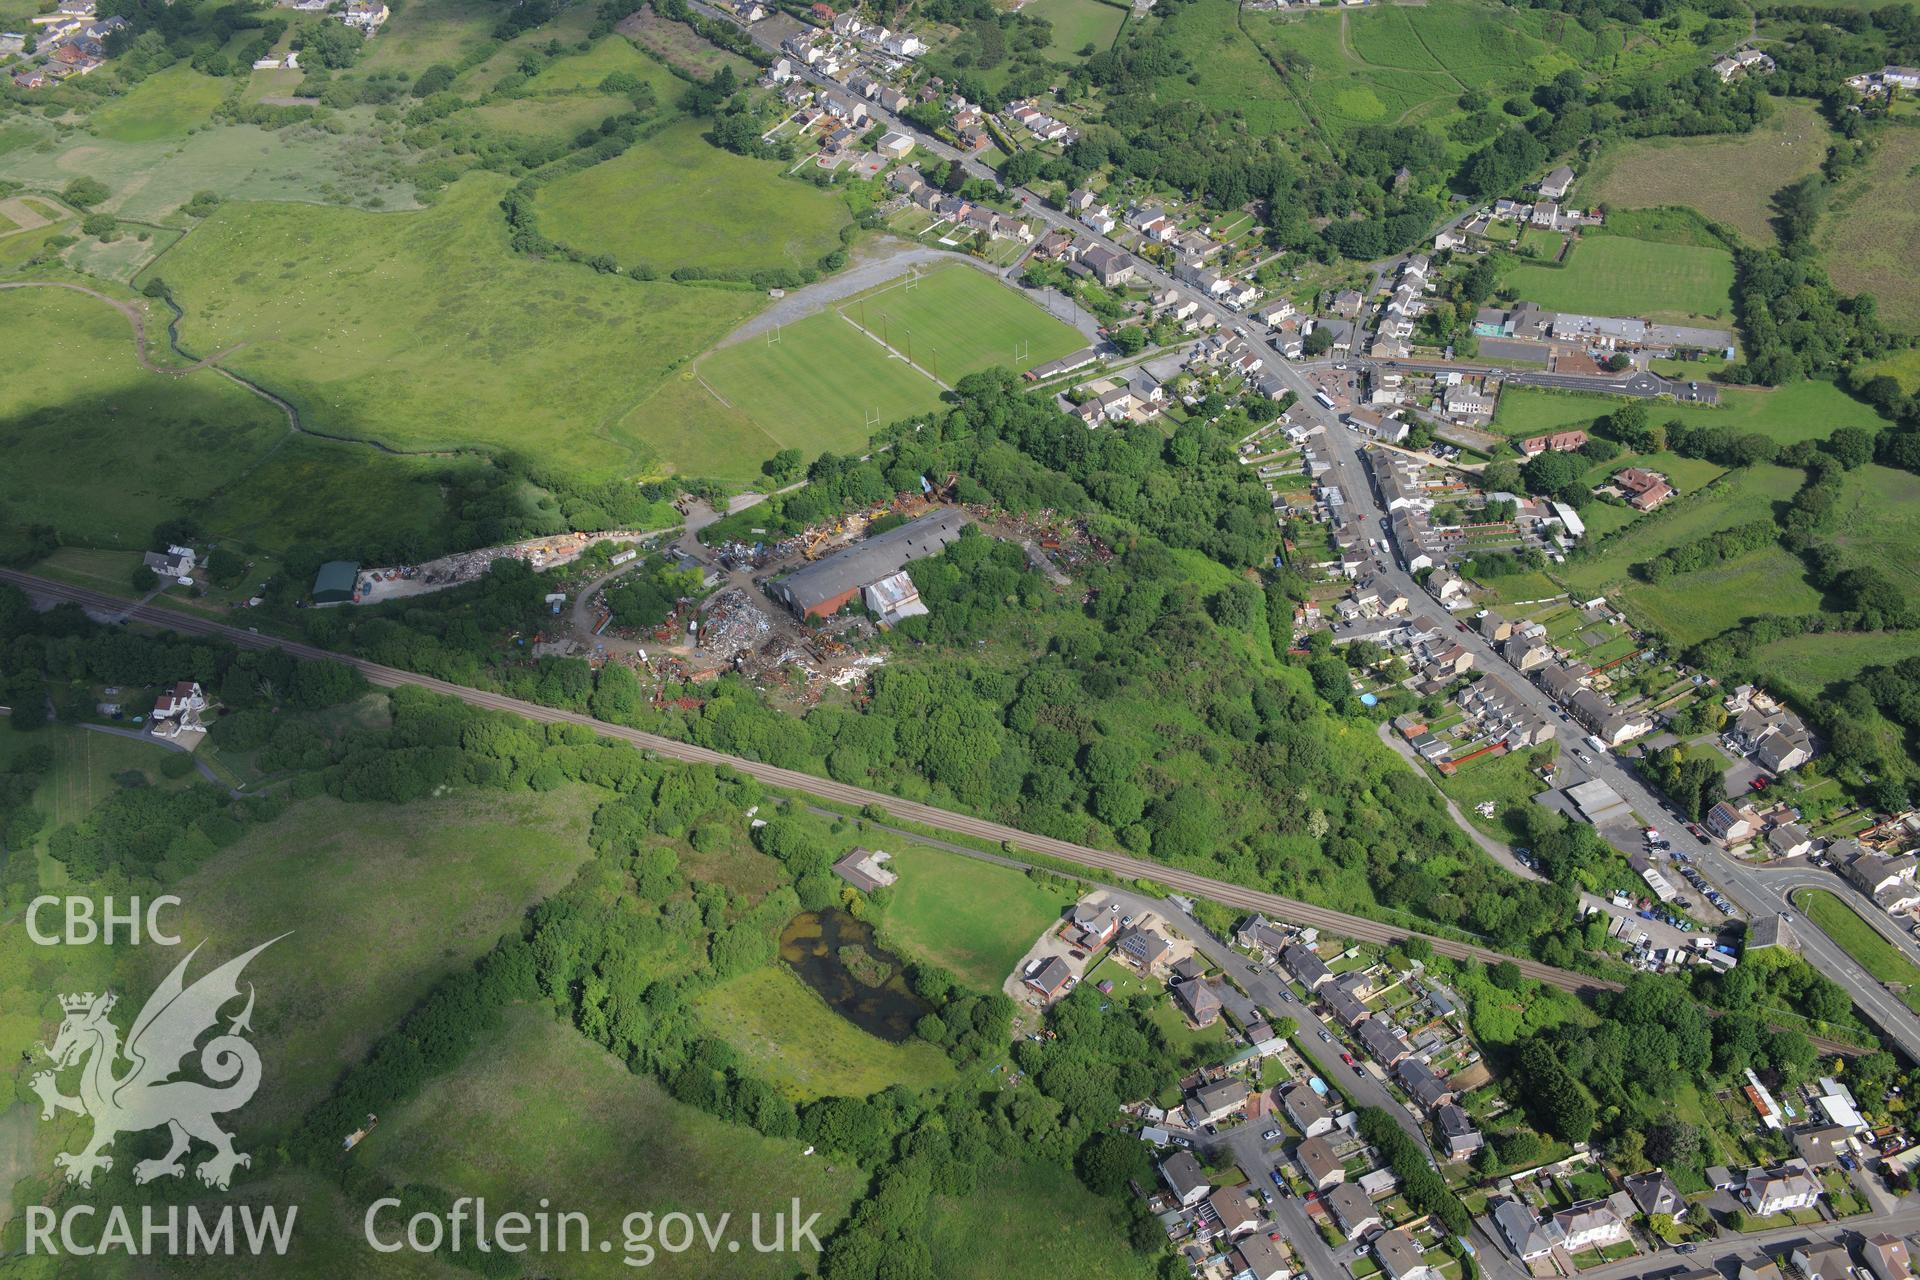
(1347, 1058)
(1685, 1248)
(1271, 1135)
(1078, 955)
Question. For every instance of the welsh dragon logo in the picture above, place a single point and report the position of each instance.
(146, 1095)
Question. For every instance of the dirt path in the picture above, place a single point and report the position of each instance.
(1499, 852)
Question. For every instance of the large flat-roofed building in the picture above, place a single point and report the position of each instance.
(820, 589)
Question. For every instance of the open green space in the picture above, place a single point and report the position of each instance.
(1038, 1222)
(423, 331)
(539, 1108)
(1717, 174)
(1749, 494)
(1078, 23)
(955, 321)
(165, 105)
(1506, 780)
(545, 119)
(1870, 236)
(972, 918)
(1879, 521)
(1620, 276)
(1235, 73)
(718, 210)
(1693, 606)
(585, 70)
(1902, 366)
(1808, 664)
(435, 882)
(1789, 414)
(158, 445)
(1862, 941)
(151, 179)
(823, 382)
(789, 1037)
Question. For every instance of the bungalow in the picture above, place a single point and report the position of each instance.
(1400, 1258)
(1318, 1163)
(1644, 489)
(1185, 1178)
(1558, 442)
(1821, 1262)
(1307, 1112)
(1199, 999)
(1049, 977)
(1783, 1190)
(1458, 1137)
(1655, 1193)
(1353, 1210)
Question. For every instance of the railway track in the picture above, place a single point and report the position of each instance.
(1118, 864)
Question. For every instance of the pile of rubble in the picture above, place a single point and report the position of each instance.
(731, 625)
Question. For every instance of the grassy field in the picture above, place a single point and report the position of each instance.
(970, 917)
(165, 105)
(1750, 494)
(957, 321)
(1618, 276)
(1808, 664)
(157, 445)
(545, 119)
(423, 331)
(1870, 237)
(1861, 941)
(436, 883)
(1078, 23)
(1879, 522)
(720, 210)
(73, 388)
(824, 381)
(1716, 175)
(1039, 1221)
(1789, 414)
(789, 1036)
(151, 179)
(1235, 73)
(542, 1108)
(1902, 366)
(1693, 606)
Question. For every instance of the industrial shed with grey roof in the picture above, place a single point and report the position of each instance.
(820, 589)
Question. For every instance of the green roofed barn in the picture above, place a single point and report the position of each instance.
(335, 582)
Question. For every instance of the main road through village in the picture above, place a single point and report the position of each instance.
(1754, 894)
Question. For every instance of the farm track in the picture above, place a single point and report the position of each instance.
(792, 780)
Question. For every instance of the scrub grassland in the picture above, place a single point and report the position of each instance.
(972, 918)
(1719, 176)
(1870, 238)
(541, 1111)
(436, 882)
(789, 1036)
(154, 441)
(719, 210)
(1789, 414)
(423, 332)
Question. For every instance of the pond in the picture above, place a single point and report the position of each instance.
(836, 955)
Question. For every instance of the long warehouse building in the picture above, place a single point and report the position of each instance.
(820, 589)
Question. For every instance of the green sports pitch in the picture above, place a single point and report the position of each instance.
(955, 320)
